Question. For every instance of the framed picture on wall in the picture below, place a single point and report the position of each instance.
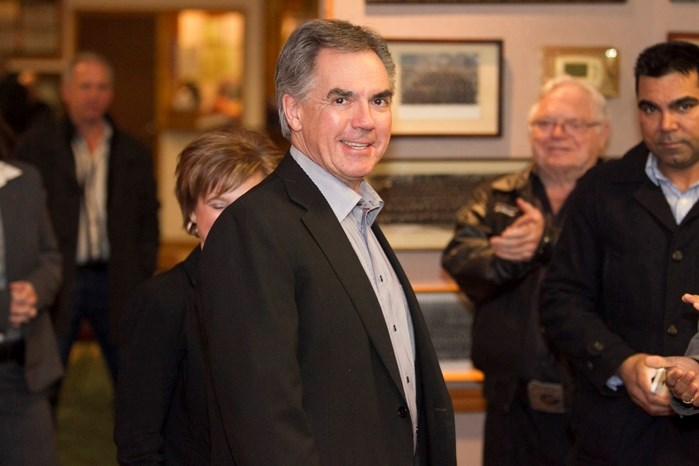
(447, 88)
(30, 28)
(597, 66)
(502, 1)
(692, 37)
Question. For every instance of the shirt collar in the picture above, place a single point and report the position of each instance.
(656, 176)
(342, 198)
(106, 136)
(8, 172)
(653, 171)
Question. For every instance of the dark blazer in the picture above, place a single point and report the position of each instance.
(131, 210)
(612, 290)
(31, 254)
(161, 415)
(301, 364)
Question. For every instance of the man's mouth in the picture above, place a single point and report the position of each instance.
(355, 145)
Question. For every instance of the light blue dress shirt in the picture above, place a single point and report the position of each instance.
(356, 212)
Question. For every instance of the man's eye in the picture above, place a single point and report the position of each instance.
(340, 100)
(382, 102)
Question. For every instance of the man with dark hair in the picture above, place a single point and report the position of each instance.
(628, 251)
(317, 349)
(102, 201)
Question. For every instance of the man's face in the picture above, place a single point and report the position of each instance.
(344, 124)
(88, 94)
(565, 136)
(669, 116)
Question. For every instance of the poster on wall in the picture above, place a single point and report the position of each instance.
(447, 88)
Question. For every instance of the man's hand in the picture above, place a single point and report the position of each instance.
(520, 240)
(637, 379)
(682, 376)
(692, 299)
(22, 303)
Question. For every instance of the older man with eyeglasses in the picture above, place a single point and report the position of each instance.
(498, 256)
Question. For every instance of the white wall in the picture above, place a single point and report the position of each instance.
(525, 29)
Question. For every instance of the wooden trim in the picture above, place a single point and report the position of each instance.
(467, 399)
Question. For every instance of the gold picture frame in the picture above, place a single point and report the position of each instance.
(598, 66)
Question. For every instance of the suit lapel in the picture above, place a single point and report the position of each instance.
(413, 305)
(10, 205)
(330, 237)
(65, 162)
(652, 199)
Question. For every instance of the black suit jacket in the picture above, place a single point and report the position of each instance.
(301, 365)
(132, 207)
(612, 290)
(31, 254)
(161, 414)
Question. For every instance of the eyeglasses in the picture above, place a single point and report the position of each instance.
(572, 126)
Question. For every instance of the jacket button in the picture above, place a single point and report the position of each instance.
(677, 256)
(403, 411)
(595, 348)
(671, 330)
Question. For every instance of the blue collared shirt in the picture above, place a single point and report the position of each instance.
(680, 202)
(356, 212)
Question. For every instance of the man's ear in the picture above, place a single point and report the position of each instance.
(292, 112)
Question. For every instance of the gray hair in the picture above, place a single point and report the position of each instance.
(297, 60)
(599, 103)
(87, 57)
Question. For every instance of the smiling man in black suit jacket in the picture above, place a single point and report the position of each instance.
(317, 349)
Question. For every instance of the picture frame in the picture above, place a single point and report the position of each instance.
(30, 28)
(201, 69)
(597, 66)
(692, 37)
(369, 2)
(447, 87)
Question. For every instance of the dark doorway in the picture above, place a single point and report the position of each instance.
(128, 41)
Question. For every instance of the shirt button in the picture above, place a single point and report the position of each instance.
(672, 330)
(403, 411)
(677, 256)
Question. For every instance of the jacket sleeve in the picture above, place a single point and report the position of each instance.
(46, 277)
(570, 292)
(150, 354)
(148, 206)
(259, 387)
(470, 260)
